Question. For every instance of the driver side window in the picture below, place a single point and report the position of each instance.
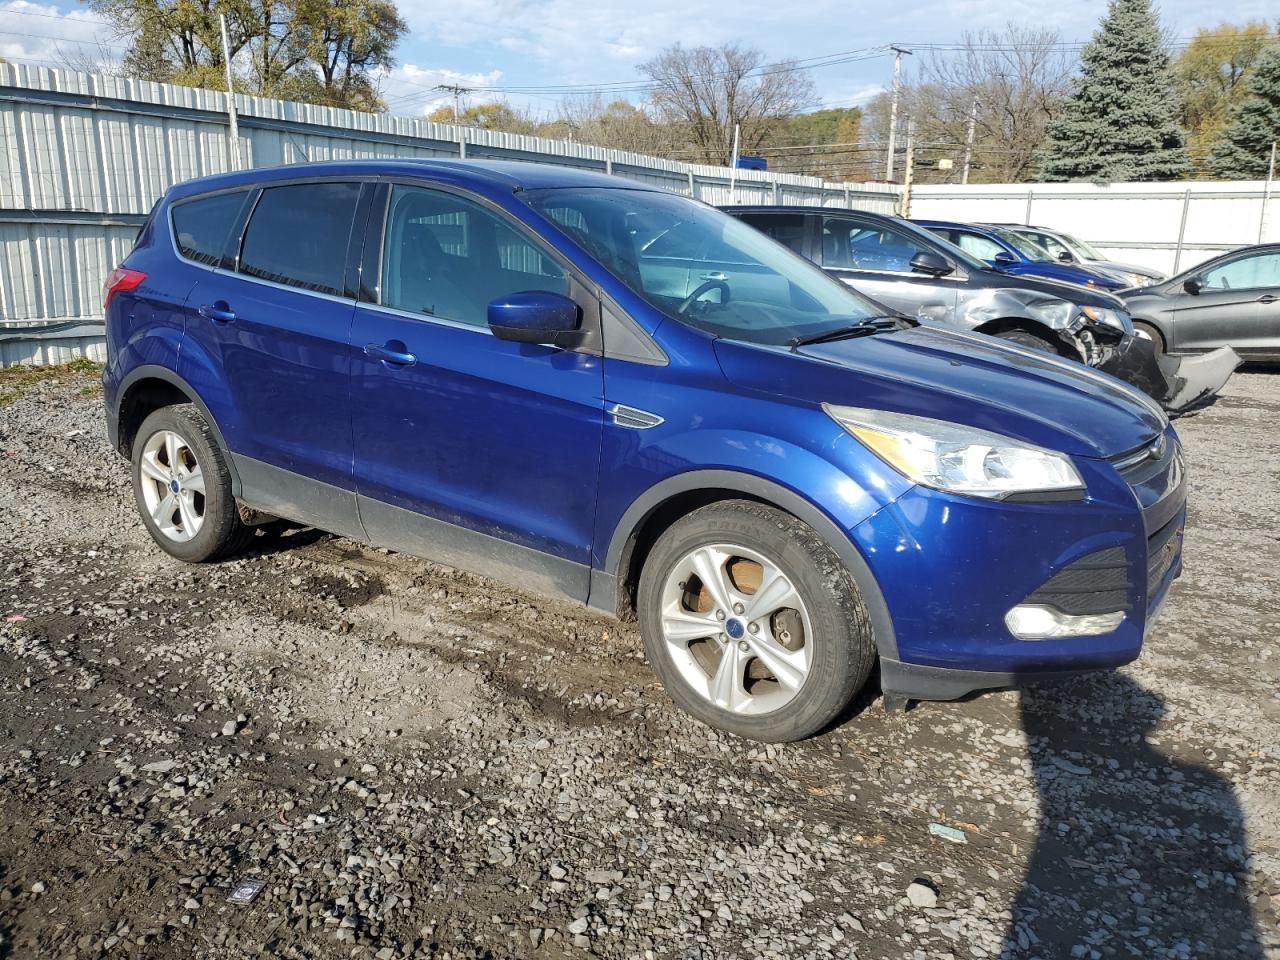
(1247, 273)
(448, 257)
(978, 246)
(855, 246)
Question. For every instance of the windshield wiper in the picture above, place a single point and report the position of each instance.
(863, 328)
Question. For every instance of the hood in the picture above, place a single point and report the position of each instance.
(1128, 268)
(960, 377)
(1071, 292)
(1065, 273)
(1144, 299)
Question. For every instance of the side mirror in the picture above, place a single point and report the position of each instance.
(1004, 259)
(1065, 256)
(1193, 285)
(535, 316)
(933, 264)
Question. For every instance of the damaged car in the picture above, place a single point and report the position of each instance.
(921, 275)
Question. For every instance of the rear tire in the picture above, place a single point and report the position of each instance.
(1032, 341)
(1157, 341)
(794, 644)
(183, 487)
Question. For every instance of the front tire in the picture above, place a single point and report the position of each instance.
(1032, 341)
(183, 487)
(1152, 334)
(752, 622)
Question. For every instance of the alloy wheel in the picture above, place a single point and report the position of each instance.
(172, 485)
(736, 628)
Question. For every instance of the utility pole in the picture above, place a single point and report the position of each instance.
(457, 92)
(893, 109)
(733, 168)
(1266, 193)
(968, 141)
(909, 173)
(234, 132)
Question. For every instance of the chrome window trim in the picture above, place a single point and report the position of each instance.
(427, 318)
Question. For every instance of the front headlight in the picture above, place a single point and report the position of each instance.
(1115, 319)
(956, 458)
(1055, 313)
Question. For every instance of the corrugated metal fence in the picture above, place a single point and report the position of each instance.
(83, 158)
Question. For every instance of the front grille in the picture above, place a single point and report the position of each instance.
(1163, 548)
(1097, 583)
(1137, 465)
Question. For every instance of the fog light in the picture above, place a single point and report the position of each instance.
(1032, 621)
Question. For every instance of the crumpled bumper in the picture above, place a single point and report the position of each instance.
(1177, 382)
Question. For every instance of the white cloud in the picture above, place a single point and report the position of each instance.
(43, 35)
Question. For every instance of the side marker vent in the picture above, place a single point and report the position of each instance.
(633, 419)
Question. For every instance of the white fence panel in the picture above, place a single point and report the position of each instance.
(1168, 226)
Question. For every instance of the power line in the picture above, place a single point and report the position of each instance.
(45, 36)
(648, 86)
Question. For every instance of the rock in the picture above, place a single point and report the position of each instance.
(922, 894)
(579, 925)
(159, 766)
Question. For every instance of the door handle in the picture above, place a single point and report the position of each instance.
(1268, 298)
(714, 276)
(389, 355)
(216, 313)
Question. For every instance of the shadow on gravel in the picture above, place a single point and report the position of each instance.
(1137, 853)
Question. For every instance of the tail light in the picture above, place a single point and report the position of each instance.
(120, 280)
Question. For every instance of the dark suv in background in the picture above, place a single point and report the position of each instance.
(914, 272)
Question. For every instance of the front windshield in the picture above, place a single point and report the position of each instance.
(703, 267)
(1025, 246)
(1082, 249)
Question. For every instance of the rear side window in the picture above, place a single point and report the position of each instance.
(298, 235)
(200, 226)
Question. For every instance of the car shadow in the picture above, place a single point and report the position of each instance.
(280, 536)
(1137, 852)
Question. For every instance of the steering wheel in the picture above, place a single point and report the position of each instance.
(702, 288)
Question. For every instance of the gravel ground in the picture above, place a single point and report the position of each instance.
(419, 763)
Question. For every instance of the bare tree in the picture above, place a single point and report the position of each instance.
(705, 91)
(618, 123)
(1020, 77)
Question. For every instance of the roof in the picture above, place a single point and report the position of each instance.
(506, 175)
(959, 225)
(735, 208)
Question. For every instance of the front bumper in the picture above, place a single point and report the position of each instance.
(950, 568)
(1176, 382)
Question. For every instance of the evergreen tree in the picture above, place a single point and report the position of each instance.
(1244, 150)
(1121, 122)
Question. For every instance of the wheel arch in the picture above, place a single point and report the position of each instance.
(149, 388)
(654, 511)
(1157, 328)
(1001, 325)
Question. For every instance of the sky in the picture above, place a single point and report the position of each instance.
(500, 47)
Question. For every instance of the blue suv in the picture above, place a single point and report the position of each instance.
(590, 387)
(1010, 252)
